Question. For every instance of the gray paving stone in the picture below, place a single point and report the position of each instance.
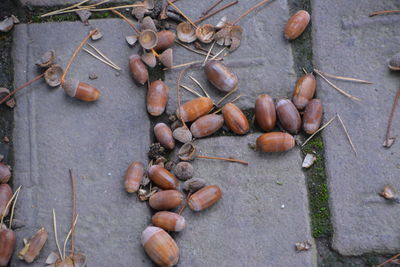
(54, 132)
(347, 42)
(248, 226)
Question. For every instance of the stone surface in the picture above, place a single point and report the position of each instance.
(54, 132)
(257, 221)
(349, 43)
(45, 3)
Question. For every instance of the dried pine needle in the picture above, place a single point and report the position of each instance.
(190, 90)
(55, 235)
(199, 84)
(347, 134)
(320, 129)
(344, 78)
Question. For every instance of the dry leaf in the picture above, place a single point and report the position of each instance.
(303, 246)
(309, 160)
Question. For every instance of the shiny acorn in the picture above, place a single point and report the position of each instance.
(221, 76)
(288, 115)
(34, 246)
(164, 135)
(7, 245)
(265, 112)
(165, 40)
(312, 116)
(5, 173)
(162, 178)
(169, 221)
(296, 24)
(80, 90)
(206, 125)
(304, 91)
(157, 98)
(133, 177)
(235, 119)
(205, 197)
(5, 196)
(138, 69)
(160, 246)
(195, 108)
(275, 142)
(166, 200)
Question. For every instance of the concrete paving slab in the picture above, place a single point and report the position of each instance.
(347, 42)
(54, 132)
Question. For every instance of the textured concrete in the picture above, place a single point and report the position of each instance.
(248, 226)
(347, 42)
(54, 132)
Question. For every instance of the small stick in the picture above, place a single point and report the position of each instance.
(320, 129)
(395, 102)
(73, 185)
(233, 100)
(343, 78)
(389, 260)
(383, 12)
(66, 8)
(185, 204)
(215, 57)
(127, 20)
(201, 87)
(211, 8)
(180, 12)
(337, 88)
(184, 65)
(21, 87)
(226, 159)
(191, 49)
(191, 90)
(102, 60)
(216, 11)
(76, 53)
(9, 203)
(225, 96)
(69, 234)
(55, 235)
(13, 207)
(347, 134)
(208, 54)
(104, 56)
(90, 8)
(304, 70)
(250, 10)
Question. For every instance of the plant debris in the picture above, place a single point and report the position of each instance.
(47, 59)
(309, 160)
(6, 25)
(303, 246)
(84, 16)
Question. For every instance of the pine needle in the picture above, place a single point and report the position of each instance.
(347, 134)
(191, 90)
(344, 78)
(69, 234)
(320, 129)
(199, 84)
(55, 235)
(102, 60)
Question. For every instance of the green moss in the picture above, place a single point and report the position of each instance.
(55, 18)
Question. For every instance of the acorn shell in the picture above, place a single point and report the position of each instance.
(265, 112)
(53, 75)
(34, 246)
(138, 69)
(5, 196)
(157, 98)
(164, 135)
(165, 40)
(169, 221)
(194, 184)
(185, 32)
(288, 115)
(206, 125)
(166, 58)
(195, 108)
(275, 142)
(133, 177)
(150, 59)
(162, 177)
(160, 246)
(304, 90)
(7, 245)
(47, 59)
(394, 63)
(221, 76)
(5, 173)
(183, 170)
(166, 200)
(296, 24)
(131, 40)
(148, 39)
(187, 152)
(182, 134)
(205, 33)
(205, 198)
(80, 90)
(312, 116)
(148, 24)
(235, 119)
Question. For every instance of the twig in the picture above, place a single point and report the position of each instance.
(21, 87)
(104, 56)
(226, 159)
(56, 11)
(9, 203)
(191, 90)
(191, 49)
(304, 70)
(216, 11)
(211, 8)
(183, 14)
(215, 57)
(199, 84)
(127, 20)
(90, 8)
(73, 184)
(184, 65)
(347, 134)
(102, 60)
(250, 10)
(185, 204)
(389, 260)
(225, 96)
(320, 129)
(337, 88)
(383, 12)
(233, 100)
(69, 234)
(55, 235)
(343, 78)
(395, 102)
(13, 207)
(208, 54)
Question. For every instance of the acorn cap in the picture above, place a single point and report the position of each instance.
(131, 40)
(97, 35)
(185, 32)
(166, 58)
(187, 152)
(53, 75)
(221, 23)
(148, 39)
(47, 59)
(70, 86)
(205, 33)
(236, 37)
(182, 134)
(394, 63)
(148, 4)
(149, 59)
(148, 24)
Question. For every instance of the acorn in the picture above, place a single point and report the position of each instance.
(162, 177)
(166, 58)
(52, 75)
(265, 112)
(288, 115)
(32, 249)
(182, 134)
(221, 76)
(185, 32)
(164, 135)
(165, 40)
(183, 170)
(194, 184)
(204, 198)
(187, 152)
(5, 196)
(296, 24)
(149, 59)
(157, 98)
(206, 125)
(133, 177)
(7, 245)
(138, 69)
(5, 173)
(205, 33)
(235, 119)
(148, 39)
(304, 90)
(80, 90)
(160, 246)
(169, 221)
(312, 116)
(195, 108)
(166, 200)
(148, 24)
(275, 142)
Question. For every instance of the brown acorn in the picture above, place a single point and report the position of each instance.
(265, 112)
(288, 115)
(165, 40)
(235, 119)
(312, 116)
(195, 108)
(205, 197)
(157, 98)
(133, 177)
(138, 69)
(160, 246)
(166, 200)
(275, 142)
(205, 33)
(32, 249)
(5, 173)
(164, 135)
(221, 76)
(194, 184)
(182, 134)
(162, 177)
(7, 245)
(304, 90)
(5, 196)
(169, 221)
(206, 125)
(296, 24)
(80, 90)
